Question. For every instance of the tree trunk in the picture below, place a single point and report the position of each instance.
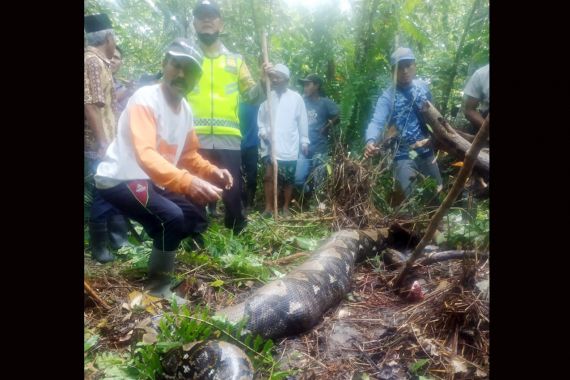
(450, 140)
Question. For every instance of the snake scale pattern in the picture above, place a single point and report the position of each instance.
(286, 306)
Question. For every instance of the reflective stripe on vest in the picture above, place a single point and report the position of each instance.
(214, 100)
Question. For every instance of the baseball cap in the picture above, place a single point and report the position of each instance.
(401, 54)
(206, 7)
(312, 78)
(182, 47)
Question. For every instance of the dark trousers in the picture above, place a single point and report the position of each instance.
(100, 209)
(249, 166)
(231, 160)
(167, 217)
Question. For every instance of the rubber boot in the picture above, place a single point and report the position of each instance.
(213, 210)
(160, 267)
(118, 228)
(98, 242)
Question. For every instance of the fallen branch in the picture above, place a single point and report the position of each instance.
(93, 294)
(395, 259)
(450, 140)
(286, 259)
(464, 173)
(437, 257)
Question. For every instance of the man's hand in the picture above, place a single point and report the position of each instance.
(305, 149)
(225, 177)
(370, 150)
(203, 192)
(267, 67)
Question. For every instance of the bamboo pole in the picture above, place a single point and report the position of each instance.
(272, 135)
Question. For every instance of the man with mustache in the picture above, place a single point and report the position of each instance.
(400, 106)
(152, 171)
(215, 103)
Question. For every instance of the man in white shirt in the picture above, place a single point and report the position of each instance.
(476, 98)
(152, 171)
(289, 119)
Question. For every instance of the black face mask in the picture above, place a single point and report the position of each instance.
(208, 38)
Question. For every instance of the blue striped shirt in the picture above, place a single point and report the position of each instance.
(403, 112)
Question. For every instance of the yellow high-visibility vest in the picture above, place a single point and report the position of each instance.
(215, 98)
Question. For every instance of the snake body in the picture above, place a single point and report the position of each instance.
(296, 302)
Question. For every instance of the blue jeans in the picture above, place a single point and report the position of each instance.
(167, 217)
(406, 171)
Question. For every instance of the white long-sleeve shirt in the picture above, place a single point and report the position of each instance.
(154, 142)
(289, 118)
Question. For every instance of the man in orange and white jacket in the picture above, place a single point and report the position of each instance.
(152, 171)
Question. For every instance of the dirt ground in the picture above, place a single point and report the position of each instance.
(373, 333)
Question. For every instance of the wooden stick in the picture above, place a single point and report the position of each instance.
(271, 150)
(94, 295)
(450, 139)
(286, 259)
(464, 173)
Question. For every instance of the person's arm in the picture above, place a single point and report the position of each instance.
(333, 117)
(94, 100)
(471, 112)
(250, 91)
(472, 96)
(143, 131)
(190, 159)
(303, 126)
(376, 126)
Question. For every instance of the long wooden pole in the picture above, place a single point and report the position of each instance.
(272, 136)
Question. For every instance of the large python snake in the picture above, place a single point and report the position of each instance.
(286, 306)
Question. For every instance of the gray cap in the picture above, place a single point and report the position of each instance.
(401, 54)
(182, 47)
(281, 68)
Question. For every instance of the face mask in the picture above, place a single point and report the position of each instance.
(208, 38)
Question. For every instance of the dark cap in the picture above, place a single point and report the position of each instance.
(312, 78)
(182, 47)
(206, 7)
(95, 23)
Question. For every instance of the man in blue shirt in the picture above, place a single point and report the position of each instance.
(322, 113)
(400, 106)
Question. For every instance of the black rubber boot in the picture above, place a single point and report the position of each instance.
(118, 228)
(213, 210)
(98, 242)
(160, 267)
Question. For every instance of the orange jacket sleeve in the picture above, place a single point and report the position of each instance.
(142, 124)
(190, 159)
